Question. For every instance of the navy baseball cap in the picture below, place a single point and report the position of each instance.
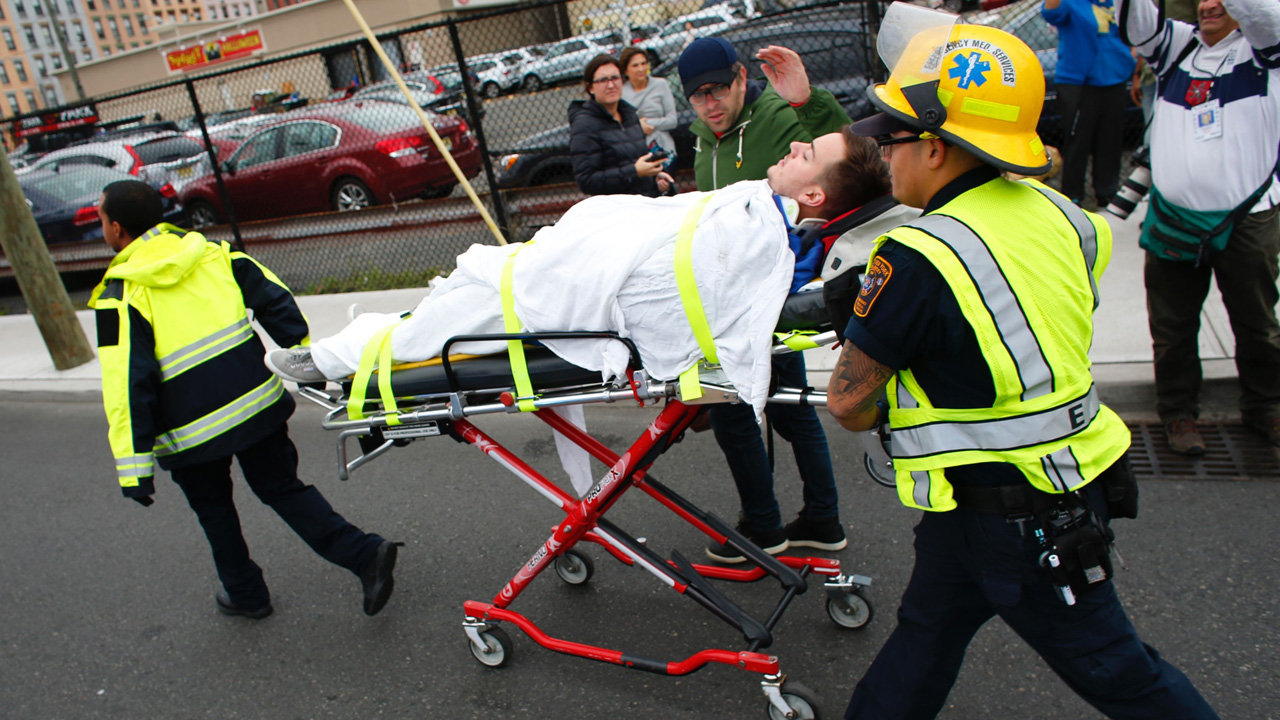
(706, 60)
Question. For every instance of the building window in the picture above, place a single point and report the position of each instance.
(48, 36)
(86, 54)
(4, 73)
(13, 103)
(79, 33)
(21, 69)
(142, 24)
(106, 51)
(1, 11)
(38, 64)
(128, 27)
(8, 39)
(173, 17)
(184, 15)
(91, 4)
(115, 28)
(38, 8)
(106, 4)
(235, 10)
(30, 35)
(31, 99)
(97, 29)
(22, 9)
(195, 15)
(57, 61)
(51, 97)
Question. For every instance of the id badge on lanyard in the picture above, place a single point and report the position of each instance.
(1207, 120)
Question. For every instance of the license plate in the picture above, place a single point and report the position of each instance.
(186, 172)
(426, 429)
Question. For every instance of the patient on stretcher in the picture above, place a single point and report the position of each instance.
(608, 265)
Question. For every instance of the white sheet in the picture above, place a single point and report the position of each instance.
(608, 265)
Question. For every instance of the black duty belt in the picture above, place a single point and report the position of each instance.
(1009, 500)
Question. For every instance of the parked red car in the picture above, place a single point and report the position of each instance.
(336, 156)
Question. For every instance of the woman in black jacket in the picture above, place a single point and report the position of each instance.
(610, 156)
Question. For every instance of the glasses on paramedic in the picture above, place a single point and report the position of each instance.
(886, 143)
(717, 92)
(607, 80)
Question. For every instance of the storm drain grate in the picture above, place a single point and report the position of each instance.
(1233, 452)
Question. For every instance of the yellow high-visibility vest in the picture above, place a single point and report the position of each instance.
(1023, 263)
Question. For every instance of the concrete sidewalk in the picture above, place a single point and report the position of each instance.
(1121, 350)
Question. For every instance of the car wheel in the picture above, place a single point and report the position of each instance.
(202, 215)
(653, 58)
(350, 194)
(552, 175)
(490, 90)
(532, 83)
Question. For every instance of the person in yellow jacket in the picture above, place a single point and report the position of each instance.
(976, 320)
(185, 388)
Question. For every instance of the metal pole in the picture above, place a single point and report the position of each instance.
(62, 44)
(217, 171)
(473, 110)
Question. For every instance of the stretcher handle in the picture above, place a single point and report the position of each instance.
(568, 335)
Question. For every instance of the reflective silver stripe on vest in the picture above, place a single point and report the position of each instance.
(197, 352)
(1085, 229)
(920, 488)
(906, 400)
(1063, 469)
(153, 232)
(221, 420)
(1005, 434)
(134, 466)
(1011, 322)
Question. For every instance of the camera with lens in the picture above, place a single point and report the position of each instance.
(1135, 186)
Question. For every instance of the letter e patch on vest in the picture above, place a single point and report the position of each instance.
(876, 278)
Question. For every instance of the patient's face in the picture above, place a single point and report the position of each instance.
(803, 168)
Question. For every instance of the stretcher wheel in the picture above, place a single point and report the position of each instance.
(802, 701)
(574, 568)
(874, 470)
(497, 647)
(851, 610)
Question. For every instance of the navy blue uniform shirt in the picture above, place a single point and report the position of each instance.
(912, 320)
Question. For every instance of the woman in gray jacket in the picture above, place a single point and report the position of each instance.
(652, 99)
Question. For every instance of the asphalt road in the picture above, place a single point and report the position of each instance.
(106, 608)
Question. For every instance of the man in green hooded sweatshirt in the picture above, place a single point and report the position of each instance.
(743, 127)
(185, 388)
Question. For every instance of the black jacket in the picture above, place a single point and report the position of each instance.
(605, 151)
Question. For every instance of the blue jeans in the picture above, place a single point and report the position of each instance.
(739, 437)
(271, 470)
(971, 567)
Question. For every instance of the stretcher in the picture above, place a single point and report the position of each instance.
(439, 398)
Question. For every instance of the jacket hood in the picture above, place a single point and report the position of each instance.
(160, 258)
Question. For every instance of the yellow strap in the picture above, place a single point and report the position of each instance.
(690, 387)
(377, 349)
(512, 324)
(798, 339)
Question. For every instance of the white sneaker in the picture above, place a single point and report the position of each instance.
(294, 364)
(355, 310)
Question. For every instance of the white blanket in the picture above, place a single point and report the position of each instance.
(608, 264)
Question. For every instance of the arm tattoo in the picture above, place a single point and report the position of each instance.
(858, 379)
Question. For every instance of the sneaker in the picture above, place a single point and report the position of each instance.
(823, 534)
(294, 364)
(1183, 437)
(226, 607)
(355, 310)
(772, 542)
(1268, 429)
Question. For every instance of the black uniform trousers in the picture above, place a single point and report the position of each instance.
(971, 567)
(1092, 128)
(1246, 271)
(271, 469)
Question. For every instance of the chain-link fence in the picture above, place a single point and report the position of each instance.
(316, 164)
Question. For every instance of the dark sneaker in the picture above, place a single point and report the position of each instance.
(377, 579)
(772, 542)
(1184, 437)
(1268, 429)
(226, 607)
(823, 534)
(294, 364)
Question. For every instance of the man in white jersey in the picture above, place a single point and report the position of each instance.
(1214, 142)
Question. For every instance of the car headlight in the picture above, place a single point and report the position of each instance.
(506, 161)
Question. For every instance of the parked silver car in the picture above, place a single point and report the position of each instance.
(494, 76)
(683, 30)
(566, 59)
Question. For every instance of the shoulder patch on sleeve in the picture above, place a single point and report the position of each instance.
(876, 278)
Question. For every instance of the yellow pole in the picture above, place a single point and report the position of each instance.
(426, 121)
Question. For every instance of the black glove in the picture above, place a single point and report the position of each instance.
(143, 500)
(142, 492)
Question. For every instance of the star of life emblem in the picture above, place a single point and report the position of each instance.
(970, 69)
